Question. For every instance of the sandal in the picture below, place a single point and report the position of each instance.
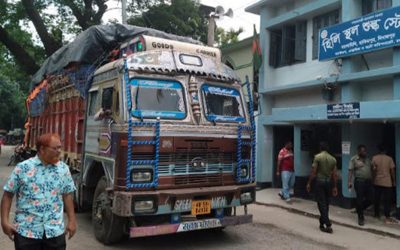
(391, 221)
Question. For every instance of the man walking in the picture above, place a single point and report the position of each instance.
(384, 180)
(285, 168)
(324, 170)
(43, 186)
(361, 166)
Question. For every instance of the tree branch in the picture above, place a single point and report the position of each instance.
(49, 43)
(102, 9)
(27, 63)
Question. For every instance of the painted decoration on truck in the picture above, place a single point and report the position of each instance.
(105, 143)
(157, 98)
(368, 33)
(222, 104)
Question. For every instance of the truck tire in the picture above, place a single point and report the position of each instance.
(108, 227)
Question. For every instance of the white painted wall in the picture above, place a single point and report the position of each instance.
(378, 59)
(377, 90)
(284, 8)
(300, 72)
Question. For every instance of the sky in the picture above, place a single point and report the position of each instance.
(240, 17)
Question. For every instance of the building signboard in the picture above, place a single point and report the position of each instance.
(375, 31)
(343, 110)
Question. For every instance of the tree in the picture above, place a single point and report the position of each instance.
(71, 17)
(223, 37)
(12, 104)
(180, 17)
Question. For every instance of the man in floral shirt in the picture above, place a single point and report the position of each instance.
(43, 186)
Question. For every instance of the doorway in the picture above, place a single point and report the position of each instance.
(282, 134)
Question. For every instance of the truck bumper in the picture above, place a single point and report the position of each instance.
(187, 226)
(165, 199)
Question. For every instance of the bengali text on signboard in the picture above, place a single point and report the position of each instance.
(368, 33)
(343, 110)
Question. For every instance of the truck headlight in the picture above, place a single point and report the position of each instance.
(143, 206)
(141, 175)
(247, 197)
(243, 171)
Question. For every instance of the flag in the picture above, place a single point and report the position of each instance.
(256, 49)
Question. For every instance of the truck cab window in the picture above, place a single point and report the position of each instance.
(92, 103)
(158, 98)
(222, 104)
(106, 100)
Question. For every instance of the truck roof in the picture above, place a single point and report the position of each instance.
(93, 45)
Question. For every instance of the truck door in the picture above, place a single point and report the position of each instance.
(92, 124)
(106, 120)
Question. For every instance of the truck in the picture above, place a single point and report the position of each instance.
(155, 129)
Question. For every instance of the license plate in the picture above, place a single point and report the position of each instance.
(198, 225)
(201, 207)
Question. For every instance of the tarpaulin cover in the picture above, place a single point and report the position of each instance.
(94, 44)
(38, 103)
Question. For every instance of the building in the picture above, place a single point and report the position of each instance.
(348, 97)
(239, 57)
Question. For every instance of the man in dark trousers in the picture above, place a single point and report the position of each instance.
(324, 170)
(384, 180)
(361, 166)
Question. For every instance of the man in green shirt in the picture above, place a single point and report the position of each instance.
(324, 170)
(361, 166)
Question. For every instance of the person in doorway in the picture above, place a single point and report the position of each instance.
(324, 170)
(384, 179)
(285, 168)
(360, 166)
(43, 186)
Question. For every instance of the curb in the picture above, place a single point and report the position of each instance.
(316, 216)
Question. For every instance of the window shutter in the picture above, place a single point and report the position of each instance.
(273, 50)
(288, 45)
(300, 42)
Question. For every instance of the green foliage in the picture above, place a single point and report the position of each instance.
(223, 37)
(12, 104)
(181, 17)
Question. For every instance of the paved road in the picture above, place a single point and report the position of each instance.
(273, 228)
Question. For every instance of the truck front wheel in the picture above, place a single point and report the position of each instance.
(108, 227)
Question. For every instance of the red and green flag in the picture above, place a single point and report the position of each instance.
(256, 49)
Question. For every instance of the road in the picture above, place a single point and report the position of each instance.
(273, 228)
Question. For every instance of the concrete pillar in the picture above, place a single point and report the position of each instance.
(265, 138)
(349, 93)
(397, 141)
(396, 96)
(346, 137)
(297, 149)
(265, 157)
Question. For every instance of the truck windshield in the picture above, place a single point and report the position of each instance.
(222, 104)
(157, 98)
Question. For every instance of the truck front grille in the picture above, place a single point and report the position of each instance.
(179, 165)
(204, 179)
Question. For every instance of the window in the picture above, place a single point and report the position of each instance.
(369, 6)
(107, 98)
(92, 103)
(288, 45)
(222, 104)
(320, 22)
(157, 98)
